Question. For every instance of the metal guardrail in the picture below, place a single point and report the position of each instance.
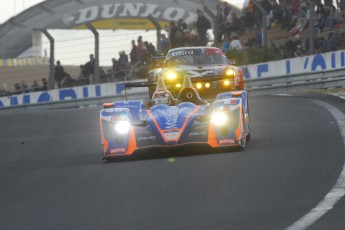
(74, 103)
(296, 82)
(266, 85)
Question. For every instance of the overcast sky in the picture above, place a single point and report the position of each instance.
(70, 52)
(9, 8)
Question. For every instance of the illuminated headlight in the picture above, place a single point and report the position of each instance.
(122, 127)
(171, 75)
(178, 85)
(226, 82)
(207, 85)
(219, 118)
(230, 72)
(198, 85)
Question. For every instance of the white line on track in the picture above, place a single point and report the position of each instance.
(338, 190)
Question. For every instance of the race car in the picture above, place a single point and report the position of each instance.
(129, 126)
(197, 63)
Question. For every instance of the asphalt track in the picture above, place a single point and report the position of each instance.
(51, 177)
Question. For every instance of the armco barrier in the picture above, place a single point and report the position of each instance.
(296, 82)
(72, 96)
(97, 94)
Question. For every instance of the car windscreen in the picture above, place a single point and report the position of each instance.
(209, 56)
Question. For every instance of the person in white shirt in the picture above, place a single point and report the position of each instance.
(235, 43)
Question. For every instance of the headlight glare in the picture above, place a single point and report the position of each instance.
(226, 82)
(198, 85)
(171, 75)
(230, 72)
(207, 85)
(219, 118)
(122, 127)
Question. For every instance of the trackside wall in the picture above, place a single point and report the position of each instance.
(307, 64)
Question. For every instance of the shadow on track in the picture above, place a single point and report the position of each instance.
(182, 151)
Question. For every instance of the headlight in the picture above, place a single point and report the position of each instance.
(198, 85)
(178, 85)
(230, 72)
(207, 85)
(171, 75)
(219, 118)
(226, 82)
(122, 127)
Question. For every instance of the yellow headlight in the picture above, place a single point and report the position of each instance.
(230, 72)
(226, 82)
(171, 75)
(198, 85)
(178, 85)
(207, 85)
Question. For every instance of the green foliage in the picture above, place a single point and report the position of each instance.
(239, 56)
(252, 55)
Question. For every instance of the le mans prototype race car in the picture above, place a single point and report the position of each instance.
(127, 126)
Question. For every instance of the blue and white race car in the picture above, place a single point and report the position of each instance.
(128, 126)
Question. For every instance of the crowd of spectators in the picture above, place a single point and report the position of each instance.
(292, 17)
(22, 87)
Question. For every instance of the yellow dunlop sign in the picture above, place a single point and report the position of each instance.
(125, 23)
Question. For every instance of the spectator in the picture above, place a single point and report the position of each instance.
(123, 64)
(17, 88)
(133, 54)
(59, 74)
(175, 35)
(151, 49)
(321, 16)
(164, 44)
(114, 68)
(226, 44)
(341, 5)
(202, 25)
(232, 24)
(190, 39)
(44, 84)
(35, 86)
(254, 38)
(68, 81)
(89, 69)
(235, 43)
(301, 16)
(299, 52)
(181, 25)
(226, 10)
(83, 78)
(335, 39)
(24, 87)
(276, 13)
(142, 50)
(249, 15)
(331, 19)
(219, 22)
(3, 91)
(291, 45)
(328, 2)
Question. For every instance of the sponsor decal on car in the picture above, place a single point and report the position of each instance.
(171, 134)
(182, 53)
(227, 141)
(202, 133)
(146, 138)
(118, 150)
